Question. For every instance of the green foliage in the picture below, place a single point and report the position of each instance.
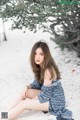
(34, 14)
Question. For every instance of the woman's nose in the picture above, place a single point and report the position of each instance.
(37, 56)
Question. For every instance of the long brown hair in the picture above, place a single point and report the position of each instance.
(48, 62)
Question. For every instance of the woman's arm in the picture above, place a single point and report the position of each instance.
(36, 85)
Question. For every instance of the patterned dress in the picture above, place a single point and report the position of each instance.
(53, 93)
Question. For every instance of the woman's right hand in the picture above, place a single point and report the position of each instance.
(24, 92)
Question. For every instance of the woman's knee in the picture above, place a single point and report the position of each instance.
(32, 93)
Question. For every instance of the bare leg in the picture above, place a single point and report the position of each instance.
(15, 102)
(31, 94)
(28, 104)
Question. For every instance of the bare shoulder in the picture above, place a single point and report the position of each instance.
(55, 74)
(47, 74)
(47, 77)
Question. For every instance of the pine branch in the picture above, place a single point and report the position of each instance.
(74, 40)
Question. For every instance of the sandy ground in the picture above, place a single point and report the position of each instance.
(15, 71)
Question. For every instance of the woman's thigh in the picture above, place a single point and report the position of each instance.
(31, 104)
(32, 93)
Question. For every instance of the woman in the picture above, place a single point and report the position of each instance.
(45, 93)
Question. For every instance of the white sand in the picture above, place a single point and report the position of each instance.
(15, 71)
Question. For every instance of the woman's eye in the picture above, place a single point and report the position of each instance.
(35, 54)
(41, 54)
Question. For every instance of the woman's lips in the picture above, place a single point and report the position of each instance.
(37, 60)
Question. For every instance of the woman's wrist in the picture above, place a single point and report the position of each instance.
(28, 86)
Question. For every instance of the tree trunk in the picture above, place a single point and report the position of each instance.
(4, 34)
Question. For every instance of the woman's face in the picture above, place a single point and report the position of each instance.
(39, 56)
